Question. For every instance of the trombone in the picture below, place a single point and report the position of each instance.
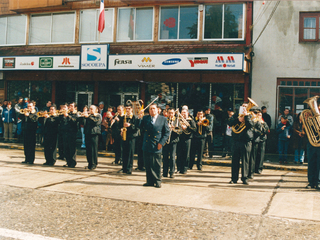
(183, 121)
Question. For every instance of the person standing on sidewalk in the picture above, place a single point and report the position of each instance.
(50, 124)
(242, 144)
(8, 118)
(209, 144)
(29, 126)
(156, 133)
(261, 145)
(284, 130)
(299, 140)
(92, 122)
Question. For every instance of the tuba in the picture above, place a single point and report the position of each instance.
(311, 121)
(238, 128)
(136, 106)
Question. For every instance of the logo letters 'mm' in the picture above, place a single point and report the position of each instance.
(93, 54)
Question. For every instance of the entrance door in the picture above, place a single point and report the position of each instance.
(122, 98)
(83, 99)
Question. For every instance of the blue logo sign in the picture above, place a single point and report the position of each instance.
(171, 61)
(93, 54)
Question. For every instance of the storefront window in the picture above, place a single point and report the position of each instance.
(179, 22)
(89, 25)
(165, 91)
(39, 91)
(135, 24)
(52, 28)
(224, 21)
(13, 30)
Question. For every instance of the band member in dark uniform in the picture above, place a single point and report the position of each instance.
(50, 122)
(61, 130)
(116, 134)
(170, 148)
(92, 121)
(261, 145)
(128, 124)
(257, 128)
(29, 126)
(189, 127)
(242, 144)
(69, 122)
(208, 147)
(199, 139)
(156, 132)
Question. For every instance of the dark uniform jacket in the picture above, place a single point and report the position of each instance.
(174, 136)
(204, 131)
(188, 133)
(51, 125)
(92, 125)
(154, 133)
(247, 134)
(132, 130)
(69, 124)
(30, 123)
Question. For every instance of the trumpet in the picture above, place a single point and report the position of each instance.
(24, 111)
(63, 111)
(44, 113)
(203, 123)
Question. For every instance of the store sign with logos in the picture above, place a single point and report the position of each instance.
(41, 63)
(232, 61)
(94, 57)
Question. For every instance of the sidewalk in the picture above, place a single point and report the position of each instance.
(271, 160)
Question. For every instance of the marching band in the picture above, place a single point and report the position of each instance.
(177, 143)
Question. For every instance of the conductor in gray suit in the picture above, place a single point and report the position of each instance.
(155, 130)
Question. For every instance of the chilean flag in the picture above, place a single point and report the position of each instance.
(101, 17)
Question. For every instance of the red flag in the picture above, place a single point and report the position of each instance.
(101, 17)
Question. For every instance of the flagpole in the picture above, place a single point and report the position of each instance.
(99, 38)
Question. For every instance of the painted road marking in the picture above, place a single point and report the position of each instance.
(23, 235)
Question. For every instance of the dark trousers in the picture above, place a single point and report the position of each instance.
(61, 145)
(283, 150)
(313, 165)
(139, 142)
(253, 157)
(228, 145)
(260, 156)
(183, 155)
(197, 146)
(128, 147)
(169, 158)
(50, 148)
(153, 167)
(70, 148)
(29, 144)
(241, 150)
(92, 142)
(117, 148)
(209, 145)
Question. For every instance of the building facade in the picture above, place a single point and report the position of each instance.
(185, 53)
(286, 63)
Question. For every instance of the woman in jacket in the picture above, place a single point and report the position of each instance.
(299, 140)
(8, 118)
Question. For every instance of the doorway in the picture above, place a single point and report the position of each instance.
(122, 98)
(83, 99)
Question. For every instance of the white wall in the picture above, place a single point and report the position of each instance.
(278, 53)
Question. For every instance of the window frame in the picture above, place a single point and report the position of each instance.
(51, 27)
(96, 24)
(6, 31)
(225, 39)
(135, 19)
(302, 16)
(178, 29)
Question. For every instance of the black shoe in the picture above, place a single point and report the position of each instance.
(224, 155)
(129, 172)
(25, 162)
(165, 175)
(142, 169)
(158, 185)
(148, 185)
(232, 182)
(200, 169)
(258, 172)
(136, 169)
(250, 177)
(245, 182)
(46, 164)
(69, 166)
(309, 186)
(171, 175)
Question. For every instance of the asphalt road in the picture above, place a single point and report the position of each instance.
(40, 202)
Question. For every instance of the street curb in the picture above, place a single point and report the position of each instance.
(216, 162)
